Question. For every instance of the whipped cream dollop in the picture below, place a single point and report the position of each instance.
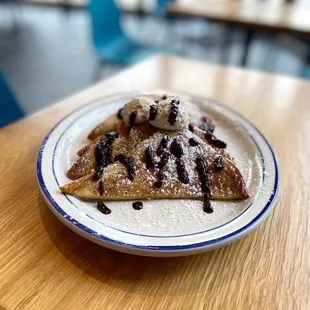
(140, 106)
(172, 114)
(169, 114)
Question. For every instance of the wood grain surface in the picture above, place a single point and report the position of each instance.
(44, 265)
(261, 15)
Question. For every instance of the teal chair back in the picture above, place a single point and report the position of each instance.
(161, 7)
(105, 19)
(9, 109)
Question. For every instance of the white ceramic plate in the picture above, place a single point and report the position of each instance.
(162, 227)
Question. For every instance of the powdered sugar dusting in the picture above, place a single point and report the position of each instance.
(169, 217)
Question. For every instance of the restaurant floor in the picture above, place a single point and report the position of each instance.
(46, 53)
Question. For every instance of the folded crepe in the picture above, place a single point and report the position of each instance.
(145, 162)
(155, 149)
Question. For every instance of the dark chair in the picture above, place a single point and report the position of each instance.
(161, 7)
(9, 109)
(110, 41)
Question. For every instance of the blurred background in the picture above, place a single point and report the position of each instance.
(50, 49)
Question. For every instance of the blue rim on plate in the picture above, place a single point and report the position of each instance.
(217, 241)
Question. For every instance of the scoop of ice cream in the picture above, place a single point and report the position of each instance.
(137, 110)
(172, 114)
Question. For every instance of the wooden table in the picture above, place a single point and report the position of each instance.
(250, 15)
(44, 265)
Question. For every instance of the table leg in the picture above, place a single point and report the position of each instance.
(248, 40)
(306, 69)
(227, 43)
(308, 57)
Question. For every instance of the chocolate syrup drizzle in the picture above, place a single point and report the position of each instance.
(203, 177)
(207, 207)
(207, 124)
(128, 162)
(103, 154)
(131, 168)
(214, 141)
(209, 135)
(181, 170)
(160, 175)
(163, 160)
(100, 188)
(161, 164)
(121, 158)
(160, 178)
(193, 142)
(218, 163)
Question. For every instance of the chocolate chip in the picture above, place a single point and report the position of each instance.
(193, 142)
(149, 157)
(176, 148)
(119, 114)
(153, 112)
(103, 208)
(132, 118)
(158, 184)
(218, 163)
(138, 205)
(162, 145)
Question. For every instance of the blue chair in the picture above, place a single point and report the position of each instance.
(108, 37)
(9, 109)
(161, 7)
(110, 42)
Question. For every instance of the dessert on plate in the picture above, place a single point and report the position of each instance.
(155, 148)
